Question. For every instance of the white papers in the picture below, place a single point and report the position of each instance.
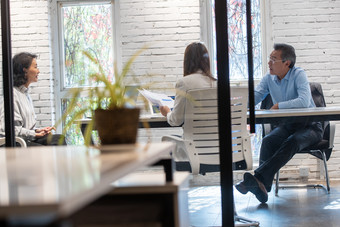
(157, 99)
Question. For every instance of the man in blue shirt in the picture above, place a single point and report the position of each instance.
(289, 88)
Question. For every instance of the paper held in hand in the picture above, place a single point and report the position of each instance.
(157, 99)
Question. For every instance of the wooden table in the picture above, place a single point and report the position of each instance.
(140, 199)
(58, 181)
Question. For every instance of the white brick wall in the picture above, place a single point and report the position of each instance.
(313, 28)
(168, 27)
(30, 32)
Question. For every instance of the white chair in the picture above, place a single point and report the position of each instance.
(19, 140)
(200, 143)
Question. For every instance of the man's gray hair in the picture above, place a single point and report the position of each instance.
(287, 53)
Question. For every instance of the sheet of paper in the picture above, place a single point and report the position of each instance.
(158, 99)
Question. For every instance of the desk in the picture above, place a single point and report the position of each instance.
(154, 121)
(291, 115)
(140, 199)
(261, 116)
(58, 181)
(270, 116)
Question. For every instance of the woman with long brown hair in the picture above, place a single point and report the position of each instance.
(196, 74)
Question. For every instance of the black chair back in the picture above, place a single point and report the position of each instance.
(319, 100)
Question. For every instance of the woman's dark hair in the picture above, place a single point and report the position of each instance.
(287, 53)
(21, 61)
(196, 58)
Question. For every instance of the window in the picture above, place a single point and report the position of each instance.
(82, 26)
(237, 34)
(85, 28)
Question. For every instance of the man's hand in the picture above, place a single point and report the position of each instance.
(276, 106)
(164, 110)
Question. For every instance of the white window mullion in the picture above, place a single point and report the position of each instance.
(207, 31)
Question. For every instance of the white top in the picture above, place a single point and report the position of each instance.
(24, 116)
(192, 81)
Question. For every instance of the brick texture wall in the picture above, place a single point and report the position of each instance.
(30, 32)
(167, 27)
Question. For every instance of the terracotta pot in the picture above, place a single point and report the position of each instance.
(118, 126)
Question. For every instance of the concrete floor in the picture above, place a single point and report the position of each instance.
(291, 208)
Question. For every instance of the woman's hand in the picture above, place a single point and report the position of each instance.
(164, 110)
(40, 132)
(48, 129)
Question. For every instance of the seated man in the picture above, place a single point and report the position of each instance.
(289, 88)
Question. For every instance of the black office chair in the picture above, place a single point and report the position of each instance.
(322, 150)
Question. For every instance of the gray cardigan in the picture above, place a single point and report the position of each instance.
(24, 116)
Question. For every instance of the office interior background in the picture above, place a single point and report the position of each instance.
(167, 27)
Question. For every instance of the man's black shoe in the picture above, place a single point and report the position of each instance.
(242, 188)
(256, 187)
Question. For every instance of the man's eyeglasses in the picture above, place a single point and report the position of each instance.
(273, 61)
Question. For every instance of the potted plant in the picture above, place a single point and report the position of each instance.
(112, 106)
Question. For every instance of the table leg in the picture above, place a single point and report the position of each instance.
(168, 165)
(83, 129)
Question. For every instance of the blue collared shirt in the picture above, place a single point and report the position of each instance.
(292, 91)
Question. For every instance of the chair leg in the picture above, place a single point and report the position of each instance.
(326, 170)
(308, 185)
(277, 183)
(244, 222)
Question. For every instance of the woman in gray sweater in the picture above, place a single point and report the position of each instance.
(25, 72)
